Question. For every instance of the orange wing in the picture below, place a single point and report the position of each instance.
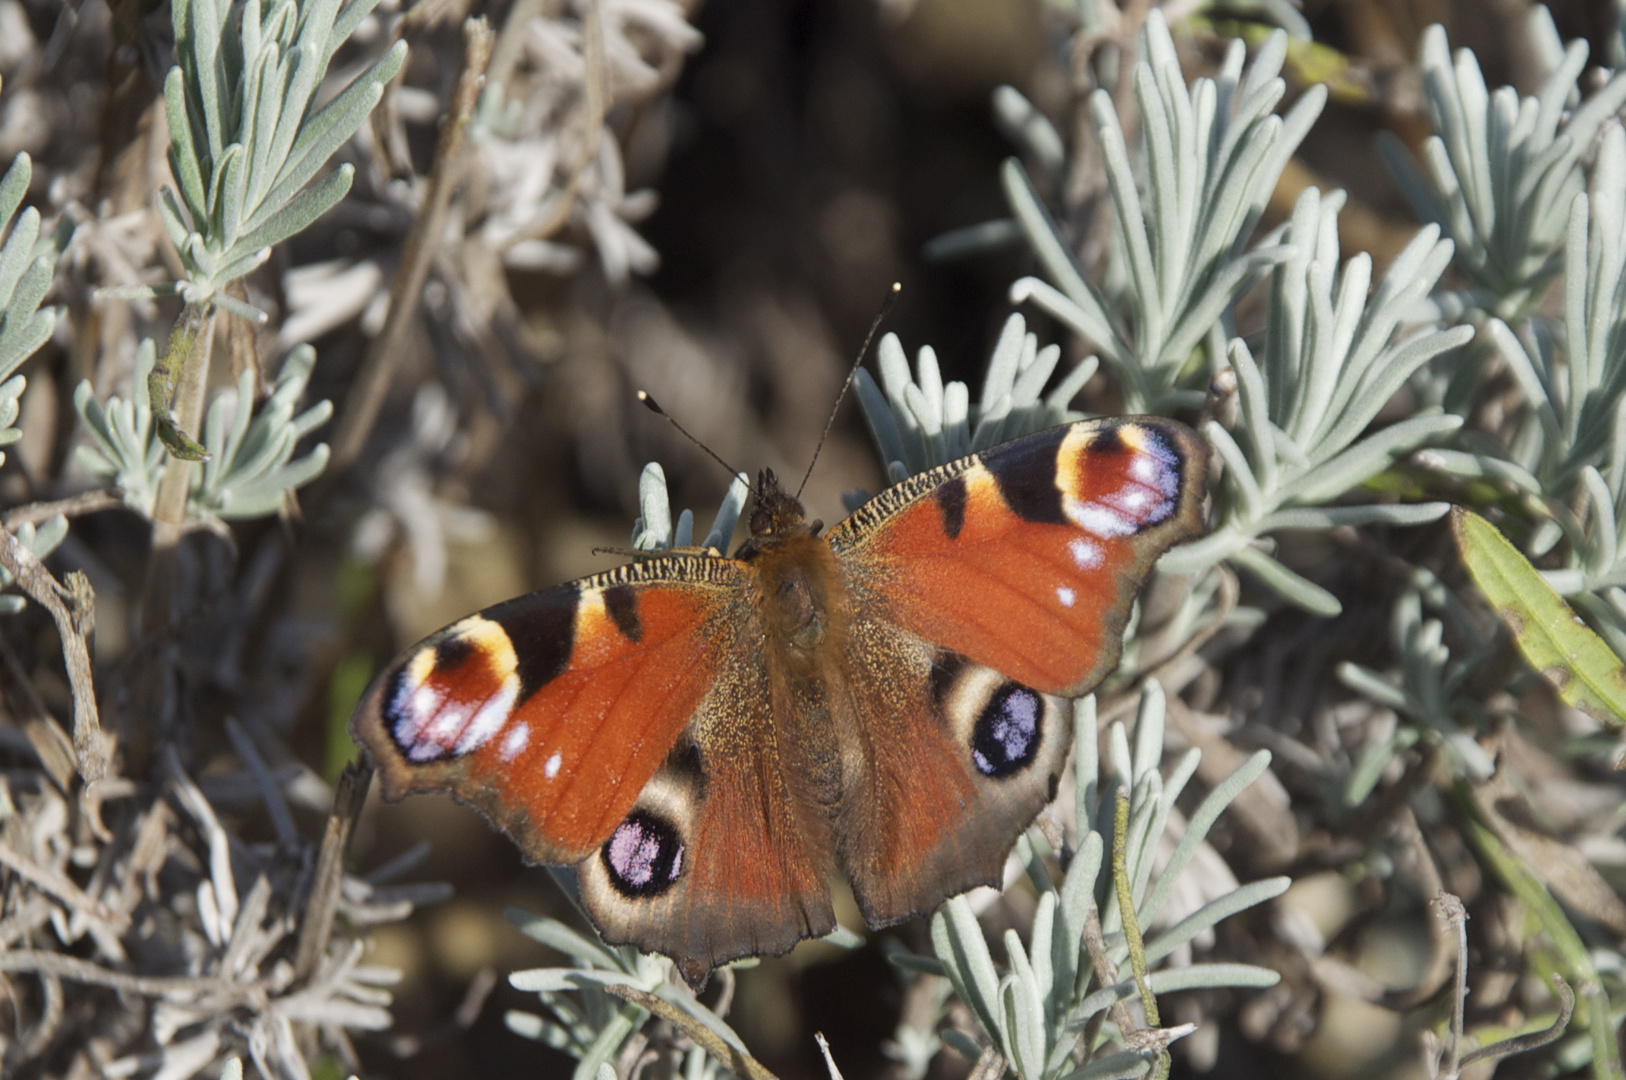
(983, 594)
(1026, 557)
(622, 723)
(550, 712)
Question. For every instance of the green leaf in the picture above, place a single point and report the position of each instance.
(1045, 236)
(18, 254)
(1586, 672)
(1300, 590)
(13, 186)
(299, 211)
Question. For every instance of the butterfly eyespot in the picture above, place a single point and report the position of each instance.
(644, 856)
(1005, 739)
(453, 697)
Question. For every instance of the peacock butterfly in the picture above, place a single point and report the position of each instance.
(707, 738)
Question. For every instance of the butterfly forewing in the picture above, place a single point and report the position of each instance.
(1027, 557)
(552, 711)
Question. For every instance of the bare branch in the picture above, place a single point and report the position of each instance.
(73, 610)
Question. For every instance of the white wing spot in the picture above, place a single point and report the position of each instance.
(551, 768)
(1157, 469)
(515, 741)
(1092, 517)
(1133, 499)
(419, 707)
(448, 723)
(490, 717)
(429, 724)
(1085, 554)
(1066, 596)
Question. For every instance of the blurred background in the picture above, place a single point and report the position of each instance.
(774, 166)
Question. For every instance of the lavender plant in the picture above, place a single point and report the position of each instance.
(541, 130)
(251, 465)
(1332, 360)
(246, 136)
(1566, 447)
(918, 422)
(1045, 1017)
(1502, 170)
(27, 264)
(1213, 152)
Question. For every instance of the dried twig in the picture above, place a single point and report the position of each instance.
(1450, 909)
(73, 610)
(829, 1061)
(1106, 972)
(323, 904)
(737, 1062)
(224, 992)
(366, 397)
(990, 1066)
(1519, 1044)
(49, 880)
(191, 348)
(86, 502)
(1442, 942)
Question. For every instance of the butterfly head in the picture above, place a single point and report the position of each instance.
(778, 513)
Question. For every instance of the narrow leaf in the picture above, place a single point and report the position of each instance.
(1585, 671)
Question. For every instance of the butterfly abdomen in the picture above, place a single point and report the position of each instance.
(805, 614)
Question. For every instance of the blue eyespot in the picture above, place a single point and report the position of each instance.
(1006, 737)
(644, 856)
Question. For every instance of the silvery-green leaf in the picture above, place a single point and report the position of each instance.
(18, 253)
(13, 186)
(1027, 126)
(333, 125)
(1303, 592)
(300, 211)
(958, 942)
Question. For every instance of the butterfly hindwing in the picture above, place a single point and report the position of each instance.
(959, 759)
(715, 860)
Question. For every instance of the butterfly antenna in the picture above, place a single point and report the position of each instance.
(653, 406)
(852, 372)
